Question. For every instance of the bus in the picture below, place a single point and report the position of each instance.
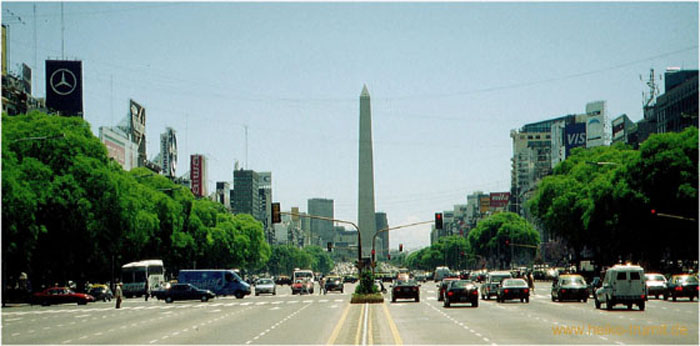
(136, 275)
(222, 282)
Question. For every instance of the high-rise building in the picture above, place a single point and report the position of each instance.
(321, 230)
(623, 130)
(246, 194)
(598, 131)
(119, 147)
(168, 152)
(365, 201)
(223, 193)
(382, 223)
(677, 107)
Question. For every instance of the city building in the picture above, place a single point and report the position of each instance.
(382, 246)
(223, 193)
(265, 191)
(677, 107)
(321, 230)
(624, 130)
(246, 194)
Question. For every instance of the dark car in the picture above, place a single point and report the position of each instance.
(461, 291)
(101, 292)
(283, 280)
(513, 289)
(492, 282)
(334, 283)
(594, 285)
(60, 295)
(682, 286)
(656, 284)
(350, 278)
(182, 291)
(405, 289)
(570, 287)
(442, 286)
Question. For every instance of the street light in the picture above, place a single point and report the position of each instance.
(374, 238)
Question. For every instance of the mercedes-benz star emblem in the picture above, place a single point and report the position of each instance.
(63, 81)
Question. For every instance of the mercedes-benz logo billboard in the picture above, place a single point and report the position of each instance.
(64, 87)
(63, 81)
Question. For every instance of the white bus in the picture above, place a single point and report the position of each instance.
(136, 275)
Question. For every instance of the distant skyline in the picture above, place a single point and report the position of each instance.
(448, 81)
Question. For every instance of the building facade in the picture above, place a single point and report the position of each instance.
(677, 107)
(119, 147)
(246, 194)
(223, 193)
(382, 223)
(321, 230)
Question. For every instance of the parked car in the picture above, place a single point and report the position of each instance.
(60, 295)
(183, 291)
(682, 286)
(490, 287)
(513, 289)
(570, 287)
(405, 289)
(101, 292)
(461, 291)
(265, 286)
(656, 284)
(334, 283)
(442, 286)
(303, 286)
(622, 284)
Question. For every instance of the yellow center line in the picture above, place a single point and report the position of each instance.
(359, 326)
(392, 326)
(338, 326)
(369, 327)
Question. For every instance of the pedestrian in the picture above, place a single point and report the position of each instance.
(531, 282)
(321, 286)
(147, 291)
(118, 295)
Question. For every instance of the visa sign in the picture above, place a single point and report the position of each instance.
(574, 136)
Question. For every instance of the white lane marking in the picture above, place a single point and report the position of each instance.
(153, 341)
(16, 334)
(97, 334)
(67, 341)
(275, 308)
(83, 337)
(245, 304)
(14, 319)
(338, 300)
(82, 316)
(604, 338)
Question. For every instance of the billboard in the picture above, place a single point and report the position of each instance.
(265, 180)
(64, 87)
(574, 136)
(168, 152)
(484, 204)
(115, 150)
(138, 129)
(196, 175)
(499, 200)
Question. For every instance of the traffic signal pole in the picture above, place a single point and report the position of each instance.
(374, 238)
(359, 236)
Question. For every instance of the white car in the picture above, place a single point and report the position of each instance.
(623, 284)
(265, 286)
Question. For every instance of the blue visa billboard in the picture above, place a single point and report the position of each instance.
(574, 136)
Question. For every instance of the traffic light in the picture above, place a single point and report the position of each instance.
(438, 220)
(388, 256)
(276, 217)
(507, 242)
(372, 255)
(329, 246)
(400, 247)
(653, 212)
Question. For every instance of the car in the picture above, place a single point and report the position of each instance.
(183, 291)
(513, 289)
(303, 286)
(403, 277)
(442, 286)
(265, 285)
(101, 292)
(656, 284)
(283, 280)
(349, 279)
(461, 291)
(594, 285)
(405, 289)
(622, 284)
(490, 286)
(682, 286)
(60, 295)
(569, 287)
(334, 283)
(441, 273)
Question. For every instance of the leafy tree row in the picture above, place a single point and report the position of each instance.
(285, 258)
(600, 201)
(70, 212)
(484, 245)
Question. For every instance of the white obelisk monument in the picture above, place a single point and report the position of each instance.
(365, 201)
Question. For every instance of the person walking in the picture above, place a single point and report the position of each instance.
(118, 295)
(321, 286)
(148, 291)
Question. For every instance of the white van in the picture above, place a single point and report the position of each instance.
(623, 284)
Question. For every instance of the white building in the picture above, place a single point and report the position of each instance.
(119, 147)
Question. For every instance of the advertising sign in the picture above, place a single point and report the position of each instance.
(484, 204)
(196, 175)
(574, 136)
(265, 181)
(138, 129)
(499, 199)
(64, 87)
(115, 150)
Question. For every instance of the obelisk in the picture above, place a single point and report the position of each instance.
(365, 200)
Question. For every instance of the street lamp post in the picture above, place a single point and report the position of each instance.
(374, 238)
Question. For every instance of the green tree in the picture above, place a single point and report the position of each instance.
(489, 238)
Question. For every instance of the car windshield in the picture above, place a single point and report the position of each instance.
(654, 277)
(514, 282)
(265, 282)
(689, 279)
(573, 282)
(460, 284)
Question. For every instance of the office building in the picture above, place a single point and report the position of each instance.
(321, 230)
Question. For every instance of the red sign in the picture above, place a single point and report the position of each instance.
(196, 174)
(499, 199)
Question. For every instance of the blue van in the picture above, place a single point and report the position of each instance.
(220, 281)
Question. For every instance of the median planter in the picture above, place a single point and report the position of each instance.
(372, 298)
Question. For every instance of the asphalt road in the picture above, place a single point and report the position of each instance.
(330, 319)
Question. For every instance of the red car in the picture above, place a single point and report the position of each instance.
(298, 287)
(60, 295)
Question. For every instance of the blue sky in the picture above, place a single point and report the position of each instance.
(448, 82)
